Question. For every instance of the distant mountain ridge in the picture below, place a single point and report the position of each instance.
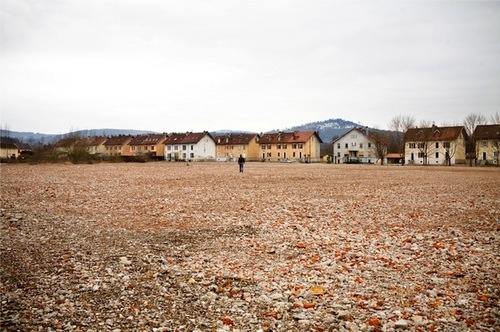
(30, 137)
(327, 129)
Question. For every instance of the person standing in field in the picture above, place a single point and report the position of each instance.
(241, 162)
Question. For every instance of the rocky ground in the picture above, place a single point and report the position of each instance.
(281, 247)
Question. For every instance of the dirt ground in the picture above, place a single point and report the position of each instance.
(281, 247)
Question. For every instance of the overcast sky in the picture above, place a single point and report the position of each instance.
(244, 65)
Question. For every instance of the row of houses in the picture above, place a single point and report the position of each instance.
(423, 146)
(11, 148)
(302, 146)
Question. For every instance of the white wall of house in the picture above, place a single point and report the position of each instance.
(436, 152)
(354, 145)
(204, 149)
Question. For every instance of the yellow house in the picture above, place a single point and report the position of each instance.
(151, 145)
(117, 145)
(230, 146)
(487, 139)
(301, 146)
(94, 145)
(11, 148)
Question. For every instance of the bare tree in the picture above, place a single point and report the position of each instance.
(450, 149)
(495, 118)
(425, 123)
(380, 141)
(400, 125)
(471, 121)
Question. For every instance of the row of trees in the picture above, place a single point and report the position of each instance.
(399, 125)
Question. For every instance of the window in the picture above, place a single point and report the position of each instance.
(484, 144)
(338, 145)
(360, 145)
(300, 145)
(279, 154)
(437, 145)
(192, 147)
(269, 154)
(421, 155)
(354, 136)
(169, 148)
(269, 146)
(411, 145)
(347, 145)
(278, 146)
(152, 147)
(284, 146)
(294, 146)
(176, 147)
(191, 155)
(184, 148)
(421, 145)
(293, 154)
(369, 144)
(446, 145)
(437, 155)
(353, 143)
(263, 146)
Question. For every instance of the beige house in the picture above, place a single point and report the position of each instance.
(487, 139)
(230, 146)
(435, 145)
(117, 145)
(11, 148)
(149, 145)
(301, 146)
(94, 145)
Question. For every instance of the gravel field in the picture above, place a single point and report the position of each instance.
(281, 247)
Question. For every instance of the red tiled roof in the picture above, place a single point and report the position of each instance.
(487, 132)
(148, 139)
(91, 141)
(185, 138)
(117, 140)
(288, 137)
(435, 133)
(234, 139)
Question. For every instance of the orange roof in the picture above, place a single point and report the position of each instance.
(117, 140)
(288, 137)
(91, 141)
(152, 139)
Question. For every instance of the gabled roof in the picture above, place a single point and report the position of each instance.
(152, 139)
(186, 138)
(117, 140)
(66, 142)
(8, 143)
(288, 137)
(361, 130)
(435, 133)
(234, 139)
(92, 141)
(23, 146)
(487, 132)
